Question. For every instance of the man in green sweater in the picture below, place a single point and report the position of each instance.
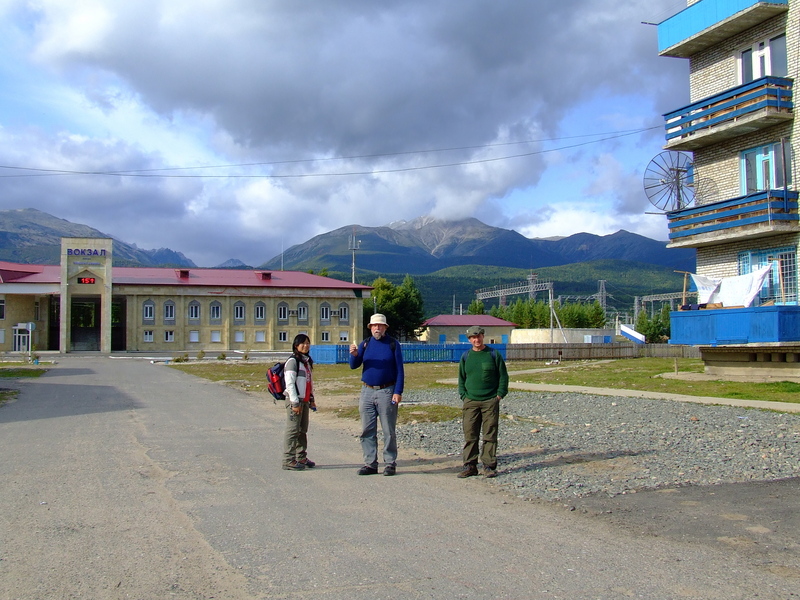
(482, 383)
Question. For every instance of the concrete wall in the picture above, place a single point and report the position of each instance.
(547, 336)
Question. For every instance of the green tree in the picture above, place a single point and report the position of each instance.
(408, 308)
(401, 304)
(597, 316)
(655, 330)
(476, 307)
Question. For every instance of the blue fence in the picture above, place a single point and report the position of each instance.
(329, 355)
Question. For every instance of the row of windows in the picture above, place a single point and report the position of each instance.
(239, 311)
(239, 336)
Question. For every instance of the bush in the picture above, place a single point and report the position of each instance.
(221, 356)
(201, 355)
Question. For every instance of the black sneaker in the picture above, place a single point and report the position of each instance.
(389, 470)
(293, 466)
(307, 462)
(469, 471)
(367, 470)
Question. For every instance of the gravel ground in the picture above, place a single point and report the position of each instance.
(557, 446)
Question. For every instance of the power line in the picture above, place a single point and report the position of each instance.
(160, 172)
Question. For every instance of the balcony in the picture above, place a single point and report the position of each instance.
(759, 214)
(708, 22)
(746, 108)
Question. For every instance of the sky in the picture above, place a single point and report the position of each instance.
(239, 128)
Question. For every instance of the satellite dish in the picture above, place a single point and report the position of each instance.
(705, 191)
(669, 181)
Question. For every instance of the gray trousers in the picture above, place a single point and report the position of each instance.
(374, 404)
(295, 441)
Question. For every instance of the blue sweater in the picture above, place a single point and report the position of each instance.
(381, 365)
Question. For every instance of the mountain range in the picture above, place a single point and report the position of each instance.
(449, 259)
(28, 236)
(426, 245)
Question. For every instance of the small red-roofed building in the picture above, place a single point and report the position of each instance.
(86, 304)
(447, 329)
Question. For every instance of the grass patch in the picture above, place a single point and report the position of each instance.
(630, 374)
(410, 413)
(641, 374)
(7, 396)
(21, 371)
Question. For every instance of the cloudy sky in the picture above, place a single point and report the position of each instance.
(235, 128)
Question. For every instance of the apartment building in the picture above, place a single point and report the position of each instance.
(741, 131)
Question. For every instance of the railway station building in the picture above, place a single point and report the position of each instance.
(87, 304)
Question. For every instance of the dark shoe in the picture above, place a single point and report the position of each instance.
(365, 470)
(389, 470)
(489, 472)
(293, 466)
(469, 471)
(308, 463)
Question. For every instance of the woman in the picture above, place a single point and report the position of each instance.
(300, 391)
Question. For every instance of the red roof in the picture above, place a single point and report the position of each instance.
(467, 321)
(183, 276)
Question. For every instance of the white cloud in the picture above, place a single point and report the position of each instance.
(100, 85)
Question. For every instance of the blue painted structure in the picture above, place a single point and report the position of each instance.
(767, 207)
(730, 105)
(751, 325)
(700, 16)
(340, 353)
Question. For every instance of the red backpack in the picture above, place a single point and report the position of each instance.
(276, 381)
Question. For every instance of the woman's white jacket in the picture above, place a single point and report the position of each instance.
(296, 379)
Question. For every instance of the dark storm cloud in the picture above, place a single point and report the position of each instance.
(365, 77)
(271, 80)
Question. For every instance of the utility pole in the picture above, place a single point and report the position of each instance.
(353, 245)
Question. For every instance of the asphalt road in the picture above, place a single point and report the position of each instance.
(126, 479)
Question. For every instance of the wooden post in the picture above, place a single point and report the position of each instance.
(685, 277)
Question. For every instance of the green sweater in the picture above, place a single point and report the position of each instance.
(480, 377)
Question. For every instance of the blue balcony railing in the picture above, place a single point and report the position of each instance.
(743, 109)
(738, 218)
(708, 22)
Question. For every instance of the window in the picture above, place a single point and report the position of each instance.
(302, 312)
(762, 168)
(149, 310)
(37, 311)
(169, 311)
(238, 311)
(194, 310)
(780, 285)
(215, 336)
(194, 336)
(283, 311)
(2, 309)
(344, 336)
(215, 312)
(260, 312)
(326, 336)
(148, 336)
(238, 336)
(169, 336)
(283, 336)
(261, 336)
(766, 57)
(325, 312)
(344, 313)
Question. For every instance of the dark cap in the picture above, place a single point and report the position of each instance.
(475, 330)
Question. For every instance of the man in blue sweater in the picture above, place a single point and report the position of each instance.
(381, 393)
